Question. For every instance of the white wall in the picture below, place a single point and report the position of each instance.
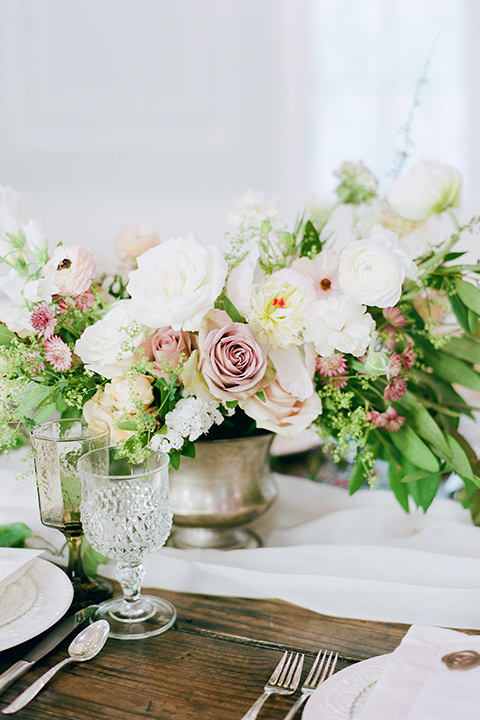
(150, 111)
(164, 111)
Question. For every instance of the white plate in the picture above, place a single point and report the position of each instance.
(32, 600)
(342, 696)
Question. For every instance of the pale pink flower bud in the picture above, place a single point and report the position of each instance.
(133, 240)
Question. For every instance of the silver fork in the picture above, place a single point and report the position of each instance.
(322, 668)
(284, 681)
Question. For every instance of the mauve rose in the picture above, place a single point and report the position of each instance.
(72, 269)
(231, 360)
(167, 345)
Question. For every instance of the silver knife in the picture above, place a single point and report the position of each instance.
(50, 641)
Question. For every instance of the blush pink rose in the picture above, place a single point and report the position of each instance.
(231, 360)
(133, 240)
(282, 412)
(72, 268)
(168, 346)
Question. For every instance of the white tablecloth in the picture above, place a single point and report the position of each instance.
(356, 557)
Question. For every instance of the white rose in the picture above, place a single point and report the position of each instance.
(430, 187)
(339, 324)
(177, 282)
(17, 319)
(103, 346)
(372, 272)
(242, 279)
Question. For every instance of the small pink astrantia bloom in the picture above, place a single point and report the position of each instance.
(58, 353)
(394, 316)
(396, 389)
(43, 319)
(85, 300)
(409, 357)
(332, 365)
(389, 420)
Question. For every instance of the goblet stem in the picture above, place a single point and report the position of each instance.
(75, 570)
(130, 577)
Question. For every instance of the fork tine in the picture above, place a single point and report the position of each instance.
(319, 659)
(329, 666)
(284, 661)
(298, 673)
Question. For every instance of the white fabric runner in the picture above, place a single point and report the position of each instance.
(356, 557)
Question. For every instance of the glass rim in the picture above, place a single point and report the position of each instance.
(39, 432)
(163, 458)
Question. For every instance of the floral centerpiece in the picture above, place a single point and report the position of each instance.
(367, 333)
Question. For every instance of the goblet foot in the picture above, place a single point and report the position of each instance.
(225, 538)
(90, 591)
(152, 616)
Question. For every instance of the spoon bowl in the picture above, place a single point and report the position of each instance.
(89, 642)
(84, 646)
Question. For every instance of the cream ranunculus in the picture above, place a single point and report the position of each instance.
(72, 269)
(119, 399)
(430, 187)
(108, 347)
(177, 282)
(371, 272)
(339, 324)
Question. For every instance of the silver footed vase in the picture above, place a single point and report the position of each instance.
(214, 495)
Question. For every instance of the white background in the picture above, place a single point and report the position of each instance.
(162, 112)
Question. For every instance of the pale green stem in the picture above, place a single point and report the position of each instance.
(453, 218)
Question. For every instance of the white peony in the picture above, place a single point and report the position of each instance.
(279, 305)
(177, 282)
(430, 187)
(372, 272)
(108, 347)
(339, 324)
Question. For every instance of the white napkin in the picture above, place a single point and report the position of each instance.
(416, 684)
(12, 559)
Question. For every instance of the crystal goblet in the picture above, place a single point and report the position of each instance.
(58, 445)
(126, 514)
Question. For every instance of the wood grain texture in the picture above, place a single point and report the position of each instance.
(211, 666)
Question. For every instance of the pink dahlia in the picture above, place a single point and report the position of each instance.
(58, 353)
(43, 319)
(332, 365)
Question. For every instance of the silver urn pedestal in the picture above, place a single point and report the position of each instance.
(227, 484)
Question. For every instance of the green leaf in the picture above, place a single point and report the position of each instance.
(395, 475)
(423, 423)
(6, 335)
(126, 425)
(261, 396)
(175, 459)
(423, 490)
(35, 396)
(463, 348)
(449, 368)
(357, 477)
(415, 476)
(90, 558)
(460, 312)
(14, 535)
(415, 450)
(469, 294)
(189, 449)
(311, 244)
(232, 310)
(472, 320)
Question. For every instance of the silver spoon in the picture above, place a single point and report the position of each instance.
(83, 647)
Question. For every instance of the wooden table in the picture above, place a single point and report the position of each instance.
(211, 666)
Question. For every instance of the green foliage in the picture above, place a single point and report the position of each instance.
(14, 535)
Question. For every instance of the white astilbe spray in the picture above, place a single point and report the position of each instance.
(191, 418)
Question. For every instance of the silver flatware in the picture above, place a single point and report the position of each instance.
(50, 641)
(322, 668)
(284, 681)
(84, 646)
